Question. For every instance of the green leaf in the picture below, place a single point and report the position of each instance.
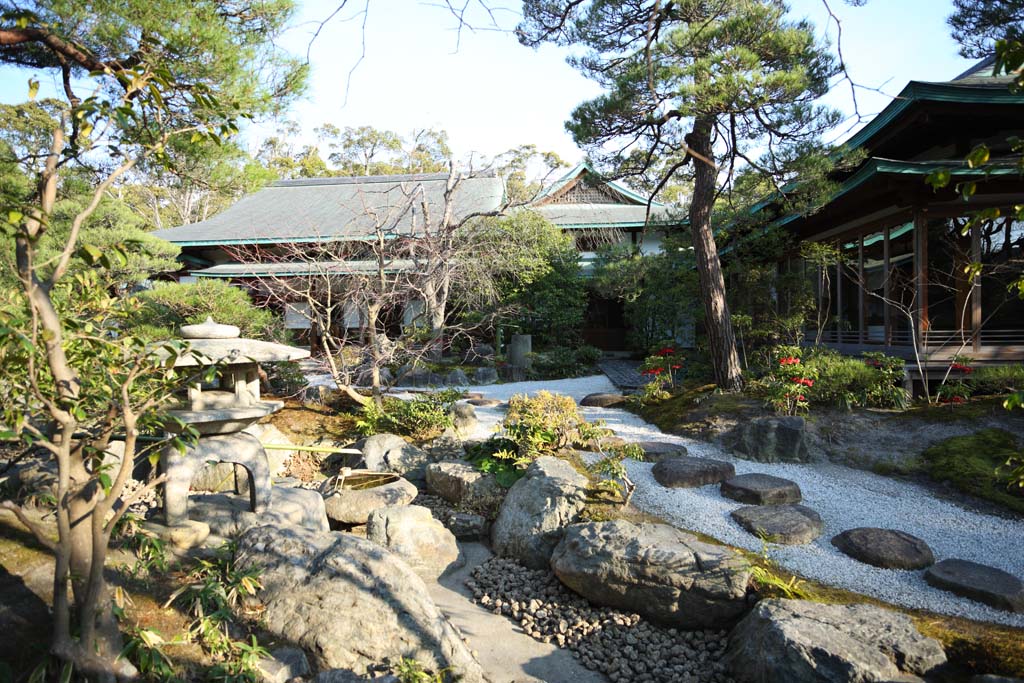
(939, 179)
(105, 482)
(978, 156)
(33, 88)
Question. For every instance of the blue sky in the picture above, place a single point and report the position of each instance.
(491, 94)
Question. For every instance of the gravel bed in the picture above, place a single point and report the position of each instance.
(622, 646)
(845, 498)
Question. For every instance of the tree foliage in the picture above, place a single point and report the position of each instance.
(978, 24)
(135, 76)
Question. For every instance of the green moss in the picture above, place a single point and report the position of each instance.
(974, 409)
(971, 464)
(687, 411)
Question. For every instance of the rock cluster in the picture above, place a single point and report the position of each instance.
(623, 646)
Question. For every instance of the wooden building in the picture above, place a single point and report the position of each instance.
(904, 283)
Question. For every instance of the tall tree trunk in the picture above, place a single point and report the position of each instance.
(721, 341)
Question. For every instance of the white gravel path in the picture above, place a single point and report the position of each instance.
(845, 498)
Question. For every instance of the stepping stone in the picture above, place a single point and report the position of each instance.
(484, 402)
(656, 451)
(472, 395)
(602, 400)
(978, 582)
(785, 524)
(761, 489)
(885, 548)
(684, 472)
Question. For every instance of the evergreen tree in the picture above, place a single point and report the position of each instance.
(711, 86)
(978, 24)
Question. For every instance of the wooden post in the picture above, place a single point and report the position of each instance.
(886, 291)
(921, 324)
(862, 332)
(976, 289)
(839, 296)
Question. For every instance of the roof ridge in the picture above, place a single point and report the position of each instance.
(364, 179)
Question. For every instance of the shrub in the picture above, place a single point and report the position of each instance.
(498, 456)
(170, 305)
(999, 379)
(547, 423)
(422, 417)
(560, 363)
(824, 377)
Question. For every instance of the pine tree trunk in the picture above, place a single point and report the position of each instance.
(721, 341)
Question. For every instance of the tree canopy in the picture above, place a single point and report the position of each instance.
(978, 24)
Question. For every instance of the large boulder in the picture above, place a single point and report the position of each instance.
(658, 571)
(456, 378)
(785, 524)
(886, 548)
(485, 375)
(412, 533)
(807, 642)
(536, 511)
(771, 439)
(354, 505)
(460, 483)
(686, 472)
(980, 582)
(349, 602)
(392, 453)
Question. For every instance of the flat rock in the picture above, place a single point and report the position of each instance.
(536, 510)
(798, 641)
(656, 570)
(602, 400)
(786, 524)
(349, 506)
(348, 602)
(656, 451)
(761, 489)
(685, 472)
(412, 533)
(979, 582)
(886, 548)
(484, 402)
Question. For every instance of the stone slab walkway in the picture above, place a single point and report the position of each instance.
(506, 654)
(624, 374)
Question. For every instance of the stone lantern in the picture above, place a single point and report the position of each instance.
(219, 411)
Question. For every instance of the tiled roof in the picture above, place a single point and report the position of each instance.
(337, 209)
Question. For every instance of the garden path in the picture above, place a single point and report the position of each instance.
(844, 497)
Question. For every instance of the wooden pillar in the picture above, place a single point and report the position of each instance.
(839, 296)
(886, 291)
(921, 324)
(861, 312)
(976, 289)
